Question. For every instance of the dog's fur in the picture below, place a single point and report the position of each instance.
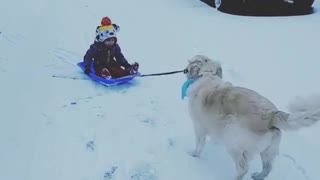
(245, 121)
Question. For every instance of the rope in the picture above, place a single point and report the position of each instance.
(140, 75)
(159, 74)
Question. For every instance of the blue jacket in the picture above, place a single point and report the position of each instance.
(105, 57)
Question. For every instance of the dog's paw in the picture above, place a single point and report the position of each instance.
(257, 176)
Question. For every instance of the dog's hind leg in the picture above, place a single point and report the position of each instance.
(268, 155)
(241, 161)
(201, 136)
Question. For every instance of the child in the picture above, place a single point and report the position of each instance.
(109, 62)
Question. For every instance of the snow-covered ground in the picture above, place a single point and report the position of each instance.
(64, 129)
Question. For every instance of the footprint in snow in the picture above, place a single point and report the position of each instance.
(171, 142)
(299, 168)
(143, 171)
(90, 145)
(149, 121)
(109, 174)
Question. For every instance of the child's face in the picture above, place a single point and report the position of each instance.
(109, 42)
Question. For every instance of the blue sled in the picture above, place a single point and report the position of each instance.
(108, 82)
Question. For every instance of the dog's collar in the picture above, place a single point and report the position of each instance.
(186, 85)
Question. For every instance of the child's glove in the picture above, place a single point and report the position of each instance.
(134, 68)
(87, 71)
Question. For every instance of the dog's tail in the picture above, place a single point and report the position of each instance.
(304, 113)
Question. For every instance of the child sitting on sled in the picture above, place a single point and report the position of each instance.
(108, 60)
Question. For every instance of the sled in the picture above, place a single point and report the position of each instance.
(108, 82)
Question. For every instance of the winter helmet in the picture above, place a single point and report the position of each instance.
(105, 21)
(105, 32)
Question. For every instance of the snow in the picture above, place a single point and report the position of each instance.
(59, 128)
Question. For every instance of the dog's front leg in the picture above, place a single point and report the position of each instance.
(200, 140)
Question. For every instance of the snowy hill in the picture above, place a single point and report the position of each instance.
(64, 129)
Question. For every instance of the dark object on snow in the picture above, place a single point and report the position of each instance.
(90, 145)
(263, 7)
(109, 173)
